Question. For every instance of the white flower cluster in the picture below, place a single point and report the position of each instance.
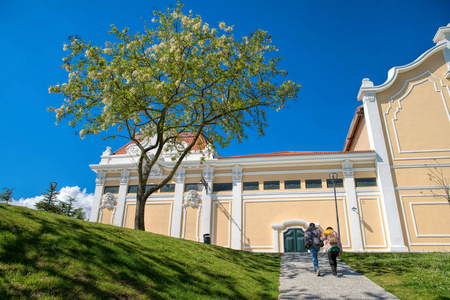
(95, 75)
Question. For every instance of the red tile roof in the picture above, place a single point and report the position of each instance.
(290, 153)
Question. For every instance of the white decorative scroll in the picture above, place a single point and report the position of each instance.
(156, 171)
(208, 173)
(347, 168)
(109, 201)
(180, 175)
(125, 177)
(237, 173)
(192, 199)
(100, 180)
(133, 149)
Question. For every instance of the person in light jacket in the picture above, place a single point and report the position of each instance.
(333, 247)
(313, 243)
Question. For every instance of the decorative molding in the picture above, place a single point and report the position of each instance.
(192, 199)
(100, 180)
(393, 73)
(399, 107)
(183, 234)
(151, 203)
(381, 222)
(408, 235)
(109, 201)
(125, 177)
(347, 168)
(369, 97)
(180, 175)
(215, 203)
(237, 173)
(208, 173)
(156, 171)
(107, 152)
(415, 223)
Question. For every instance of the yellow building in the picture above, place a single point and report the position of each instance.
(264, 202)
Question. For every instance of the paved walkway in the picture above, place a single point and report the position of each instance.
(298, 281)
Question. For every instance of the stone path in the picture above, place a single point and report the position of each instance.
(298, 281)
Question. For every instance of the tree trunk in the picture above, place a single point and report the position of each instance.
(140, 206)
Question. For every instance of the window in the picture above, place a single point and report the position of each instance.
(362, 182)
(251, 186)
(168, 188)
(191, 187)
(271, 185)
(132, 189)
(337, 182)
(292, 184)
(111, 189)
(222, 187)
(313, 184)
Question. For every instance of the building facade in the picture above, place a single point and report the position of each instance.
(384, 198)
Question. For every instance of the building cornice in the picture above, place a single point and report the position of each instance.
(393, 73)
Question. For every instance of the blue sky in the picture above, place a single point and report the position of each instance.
(327, 46)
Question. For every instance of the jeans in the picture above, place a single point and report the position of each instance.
(314, 251)
(332, 255)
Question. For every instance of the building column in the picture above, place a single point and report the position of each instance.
(236, 216)
(99, 184)
(378, 143)
(120, 208)
(178, 202)
(354, 217)
(206, 202)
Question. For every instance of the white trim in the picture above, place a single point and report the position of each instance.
(331, 198)
(151, 203)
(282, 194)
(414, 223)
(112, 215)
(395, 117)
(285, 230)
(407, 188)
(384, 173)
(381, 221)
(183, 235)
(229, 221)
(419, 166)
(393, 73)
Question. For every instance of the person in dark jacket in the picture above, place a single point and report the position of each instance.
(333, 247)
(313, 243)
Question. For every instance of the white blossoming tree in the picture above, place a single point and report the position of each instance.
(178, 76)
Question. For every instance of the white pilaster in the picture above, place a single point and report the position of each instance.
(178, 202)
(354, 218)
(120, 209)
(236, 216)
(378, 144)
(99, 184)
(206, 202)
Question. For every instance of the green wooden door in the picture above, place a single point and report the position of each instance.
(294, 240)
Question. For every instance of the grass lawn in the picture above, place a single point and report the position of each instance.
(406, 275)
(44, 255)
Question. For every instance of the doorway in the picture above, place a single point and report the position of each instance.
(294, 240)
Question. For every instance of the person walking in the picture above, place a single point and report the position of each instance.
(313, 243)
(333, 247)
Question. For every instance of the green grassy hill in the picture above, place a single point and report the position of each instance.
(44, 255)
